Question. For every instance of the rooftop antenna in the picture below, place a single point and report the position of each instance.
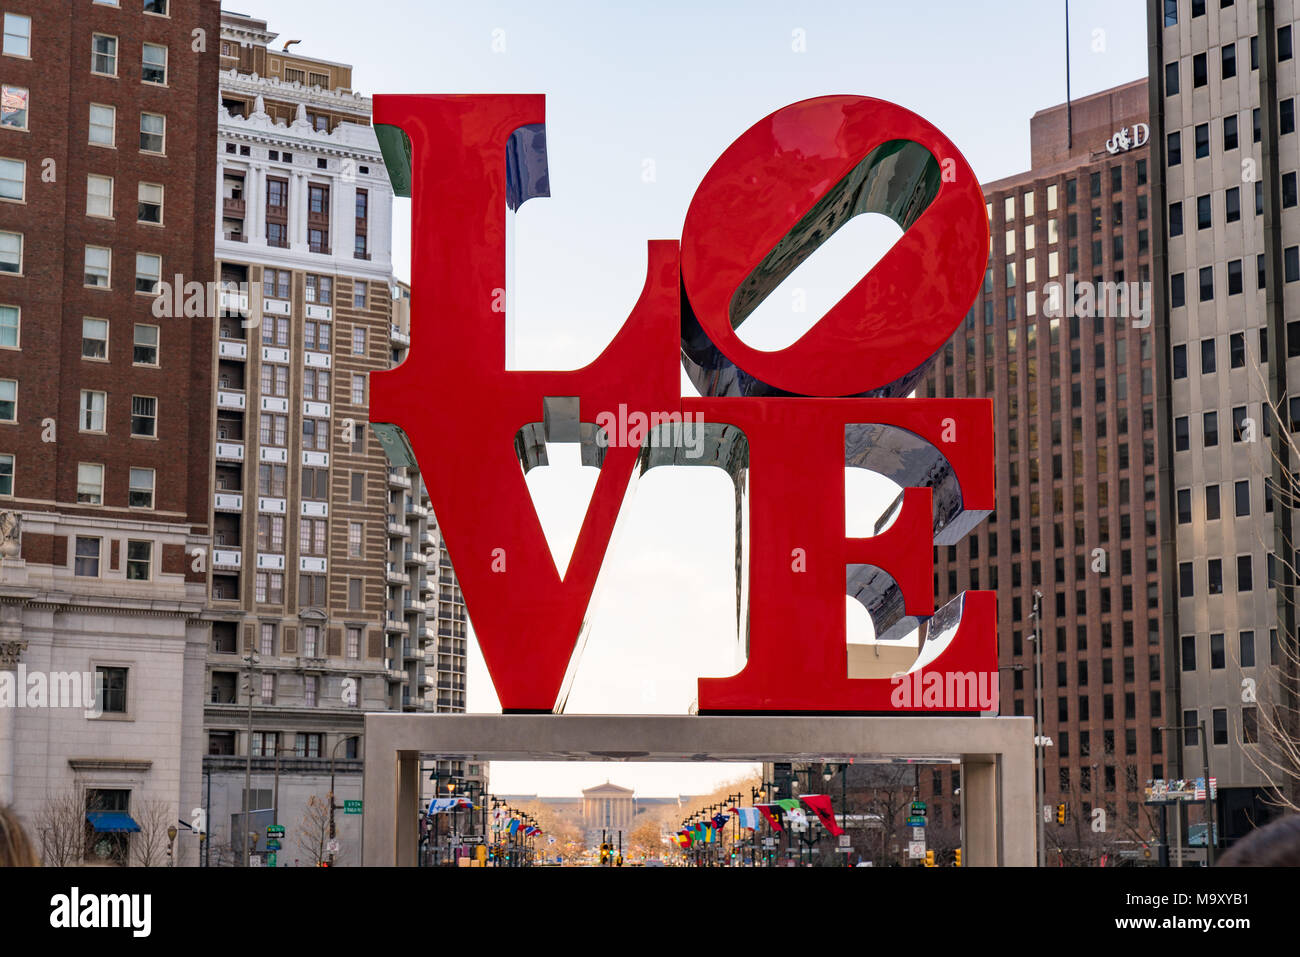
(1069, 112)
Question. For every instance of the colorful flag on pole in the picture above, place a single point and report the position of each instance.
(766, 811)
(749, 817)
(820, 804)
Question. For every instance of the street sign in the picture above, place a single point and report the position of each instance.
(471, 839)
(274, 830)
(918, 807)
(351, 807)
(255, 860)
(918, 834)
(916, 850)
(1048, 814)
(270, 860)
(332, 846)
(272, 844)
(916, 822)
(769, 842)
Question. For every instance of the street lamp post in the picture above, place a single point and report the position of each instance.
(1210, 815)
(333, 752)
(252, 660)
(1040, 784)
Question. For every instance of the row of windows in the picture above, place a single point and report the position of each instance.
(315, 332)
(268, 588)
(93, 409)
(88, 558)
(94, 340)
(14, 110)
(1233, 273)
(1231, 205)
(104, 50)
(315, 383)
(99, 193)
(1213, 507)
(97, 270)
(1201, 133)
(1218, 651)
(1214, 576)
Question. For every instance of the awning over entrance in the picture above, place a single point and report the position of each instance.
(111, 821)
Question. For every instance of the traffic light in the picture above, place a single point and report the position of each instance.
(1060, 814)
(929, 858)
(956, 862)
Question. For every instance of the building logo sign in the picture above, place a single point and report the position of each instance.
(783, 424)
(1128, 138)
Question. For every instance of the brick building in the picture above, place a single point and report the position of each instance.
(106, 118)
(1061, 337)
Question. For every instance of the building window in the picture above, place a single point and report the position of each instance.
(103, 59)
(98, 268)
(1200, 70)
(103, 125)
(145, 346)
(267, 696)
(99, 196)
(1174, 148)
(310, 686)
(310, 636)
(359, 294)
(158, 7)
(319, 289)
(1283, 44)
(275, 283)
(153, 133)
(86, 562)
(1219, 731)
(354, 539)
(18, 35)
(1230, 132)
(13, 107)
(113, 682)
(153, 64)
(358, 341)
(11, 253)
(1204, 213)
(92, 410)
(148, 272)
(1232, 204)
(139, 561)
(354, 642)
(1228, 60)
(1245, 573)
(141, 491)
(6, 474)
(354, 594)
(1202, 138)
(358, 389)
(144, 416)
(149, 204)
(94, 339)
(1186, 586)
(266, 646)
(1206, 280)
(307, 745)
(13, 180)
(90, 484)
(1171, 79)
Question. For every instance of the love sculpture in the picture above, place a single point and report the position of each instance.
(783, 424)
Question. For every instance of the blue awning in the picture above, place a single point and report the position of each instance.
(111, 821)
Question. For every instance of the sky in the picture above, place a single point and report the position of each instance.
(639, 103)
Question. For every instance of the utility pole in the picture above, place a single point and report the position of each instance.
(252, 661)
(1040, 785)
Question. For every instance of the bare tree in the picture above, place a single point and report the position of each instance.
(313, 830)
(61, 830)
(1270, 722)
(149, 846)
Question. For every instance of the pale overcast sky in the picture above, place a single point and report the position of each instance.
(674, 83)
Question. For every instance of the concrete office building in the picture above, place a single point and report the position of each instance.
(107, 116)
(321, 549)
(1227, 248)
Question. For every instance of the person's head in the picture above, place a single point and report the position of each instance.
(15, 849)
(1275, 845)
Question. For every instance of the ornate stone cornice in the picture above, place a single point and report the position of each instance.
(250, 84)
(133, 765)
